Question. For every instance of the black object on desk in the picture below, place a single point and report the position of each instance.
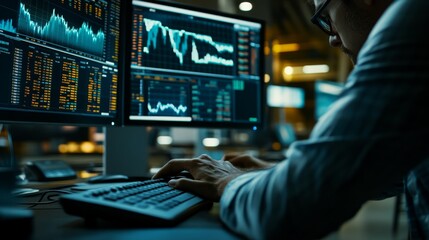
(48, 170)
(13, 217)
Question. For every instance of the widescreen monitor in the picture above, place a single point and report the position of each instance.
(194, 67)
(61, 61)
(285, 96)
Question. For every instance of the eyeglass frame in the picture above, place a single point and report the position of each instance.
(319, 20)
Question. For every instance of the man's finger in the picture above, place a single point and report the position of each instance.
(203, 189)
(230, 156)
(173, 167)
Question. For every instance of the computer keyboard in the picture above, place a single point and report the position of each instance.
(148, 203)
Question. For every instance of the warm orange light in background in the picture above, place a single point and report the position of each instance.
(84, 174)
(290, 71)
(276, 146)
(69, 128)
(287, 47)
(267, 50)
(87, 147)
(62, 148)
(73, 147)
(267, 78)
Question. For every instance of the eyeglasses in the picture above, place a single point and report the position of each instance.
(321, 21)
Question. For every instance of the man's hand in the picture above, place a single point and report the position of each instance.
(210, 176)
(246, 162)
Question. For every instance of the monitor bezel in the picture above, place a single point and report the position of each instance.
(10, 116)
(198, 124)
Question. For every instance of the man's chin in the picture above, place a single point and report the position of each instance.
(350, 54)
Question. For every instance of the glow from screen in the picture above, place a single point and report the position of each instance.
(283, 96)
(326, 93)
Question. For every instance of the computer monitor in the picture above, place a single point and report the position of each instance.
(285, 96)
(281, 97)
(61, 61)
(194, 67)
(325, 93)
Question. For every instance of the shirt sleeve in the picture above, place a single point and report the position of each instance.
(369, 139)
(316, 189)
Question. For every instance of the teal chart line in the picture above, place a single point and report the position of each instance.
(163, 107)
(178, 40)
(57, 30)
(7, 25)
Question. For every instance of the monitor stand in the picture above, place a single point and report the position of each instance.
(199, 148)
(126, 151)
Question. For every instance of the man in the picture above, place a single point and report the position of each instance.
(373, 137)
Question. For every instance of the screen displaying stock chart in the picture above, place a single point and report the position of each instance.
(194, 67)
(59, 61)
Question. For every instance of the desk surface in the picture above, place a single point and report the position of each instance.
(51, 222)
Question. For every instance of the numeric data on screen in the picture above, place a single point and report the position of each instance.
(193, 66)
(60, 56)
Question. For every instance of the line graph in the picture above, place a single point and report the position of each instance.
(210, 59)
(160, 107)
(167, 98)
(58, 30)
(8, 16)
(7, 25)
(177, 41)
